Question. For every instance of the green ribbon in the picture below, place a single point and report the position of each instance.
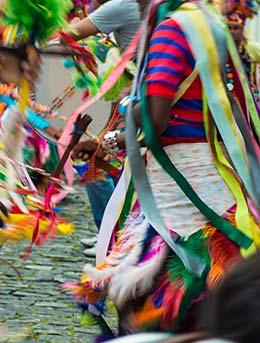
(232, 140)
(127, 204)
(154, 144)
(241, 72)
(142, 186)
(237, 112)
(167, 7)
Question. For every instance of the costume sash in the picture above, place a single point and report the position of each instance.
(144, 191)
(198, 31)
(142, 185)
(161, 156)
(252, 109)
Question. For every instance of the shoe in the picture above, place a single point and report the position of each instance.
(93, 229)
(89, 242)
(91, 252)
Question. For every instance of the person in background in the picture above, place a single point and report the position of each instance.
(148, 283)
(12, 68)
(81, 8)
(249, 50)
(122, 18)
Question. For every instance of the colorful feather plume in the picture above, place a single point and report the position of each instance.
(12, 138)
(223, 252)
(176, 289)
(20, 227)
(38, 19)
(28, 22)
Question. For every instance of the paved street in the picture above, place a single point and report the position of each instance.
(34, 306)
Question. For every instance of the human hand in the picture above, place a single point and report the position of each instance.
(81, 125)
(75, 20)
(84, 150)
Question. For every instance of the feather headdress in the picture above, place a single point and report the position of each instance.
(38, 18)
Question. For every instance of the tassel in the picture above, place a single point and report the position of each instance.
(223, 252)
(135, 281)
(149, 315)
(177, 287)
(28, 250)
(172, 301)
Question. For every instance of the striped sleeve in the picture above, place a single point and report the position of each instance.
(170, 60)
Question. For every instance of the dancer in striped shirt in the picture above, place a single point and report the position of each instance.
(153, 286)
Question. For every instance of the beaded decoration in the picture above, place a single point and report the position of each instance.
(230, 76)
(91, 174)
(10, 92)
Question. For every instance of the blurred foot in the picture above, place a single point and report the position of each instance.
(89, 242)
(91, 252)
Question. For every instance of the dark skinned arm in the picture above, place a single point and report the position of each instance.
(159, 109)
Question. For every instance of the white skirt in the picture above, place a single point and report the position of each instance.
(195, 162)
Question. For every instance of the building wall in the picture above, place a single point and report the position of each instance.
(254, 28)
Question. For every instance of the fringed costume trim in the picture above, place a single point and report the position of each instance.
(140, 264)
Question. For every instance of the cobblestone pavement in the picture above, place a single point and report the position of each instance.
(34, 304)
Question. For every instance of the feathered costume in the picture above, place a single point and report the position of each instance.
(26, 219)
(26, 22)
(107, 55)
(199, 212)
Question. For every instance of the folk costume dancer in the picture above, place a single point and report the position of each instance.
(122, 18)
(199, 200)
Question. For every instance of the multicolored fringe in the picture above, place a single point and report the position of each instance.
(38, 19)
(18, 227)
(222, 251)
(140, 264)
(177, 289)
(27, 216)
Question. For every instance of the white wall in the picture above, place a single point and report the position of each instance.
(54, 79)
(254, 28)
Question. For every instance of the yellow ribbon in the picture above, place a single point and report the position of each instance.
(185, 85)
(242, 216)
(24, 87)
(203, 29)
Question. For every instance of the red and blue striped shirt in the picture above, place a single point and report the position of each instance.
(170, 62)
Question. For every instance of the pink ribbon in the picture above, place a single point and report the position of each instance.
(106, 86)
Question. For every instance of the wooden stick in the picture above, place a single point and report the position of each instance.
(50, 51)
(81, 126)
